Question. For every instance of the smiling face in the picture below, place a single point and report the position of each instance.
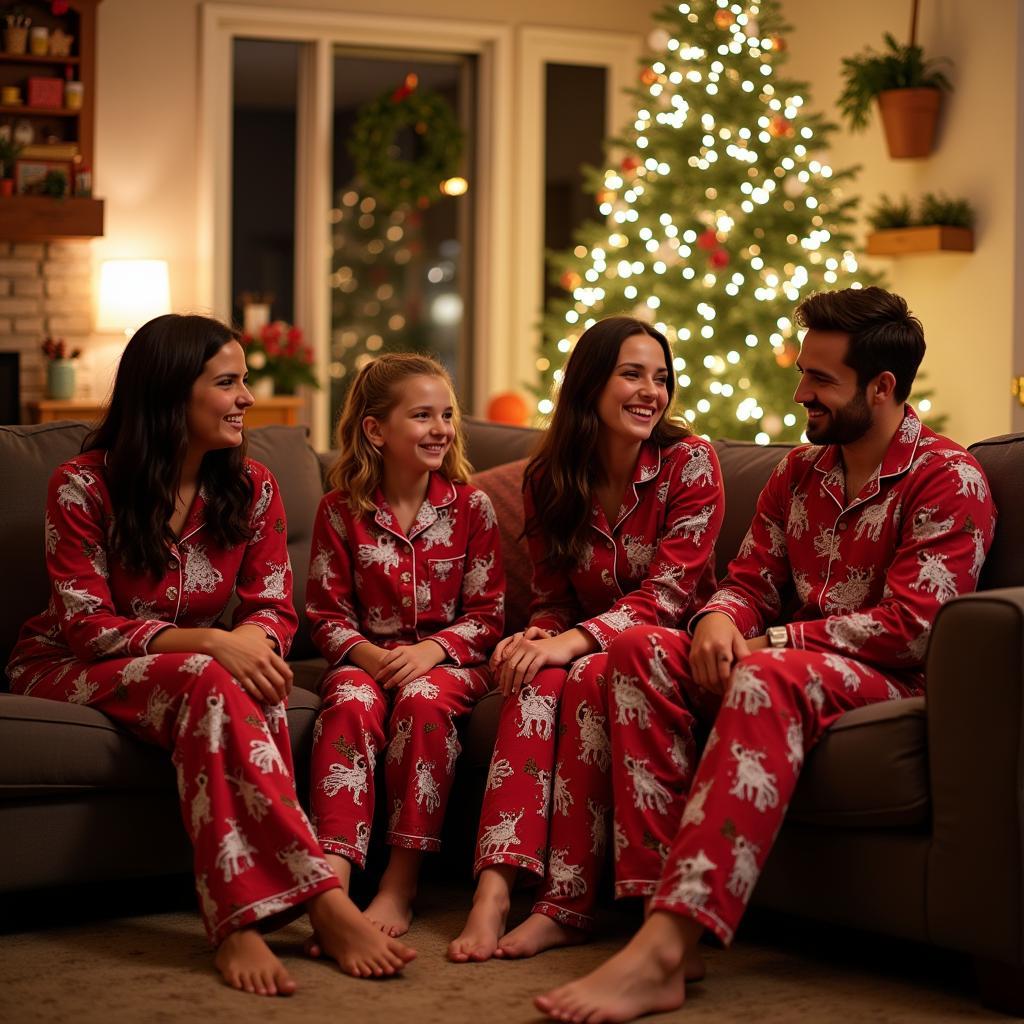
(636, 394)
(218, 401)
(837, 406)
(418, 431)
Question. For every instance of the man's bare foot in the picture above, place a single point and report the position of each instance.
(347, 937)
(390, 911)
(645, 977)
(246, 963)
(536, 934)
(485, 925)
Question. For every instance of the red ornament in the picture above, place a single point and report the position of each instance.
(570, 280)
(778, 43)
(407, 87)
(648, 76)
(707, 240)
(508, 407)
(719, 258)
(631, 163)
(780, 127)
(58, 7)
(723, 18)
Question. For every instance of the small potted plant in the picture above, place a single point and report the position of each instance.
(60, 368)
(940, 225)
(908, 89)
(277, 353)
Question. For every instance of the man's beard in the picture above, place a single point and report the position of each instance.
(844, 426)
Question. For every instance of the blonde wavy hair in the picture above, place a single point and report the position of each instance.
(358, 469)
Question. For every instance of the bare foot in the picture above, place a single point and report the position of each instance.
(342, 868)
(536, 934)
(485, 925)
(347, 937)
(246, 963)
(645, 977)
(390, 911)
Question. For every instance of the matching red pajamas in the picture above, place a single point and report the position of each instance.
(369, 582)
(870, 576)
(254, 851)
(653, 566)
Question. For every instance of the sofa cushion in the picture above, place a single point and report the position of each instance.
(28, 457)
(870, 770)
(52, 748)
(492, 444)
(1002, 459)
(504, 486)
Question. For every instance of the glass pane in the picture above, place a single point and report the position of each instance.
(263, 173)
(573, 138)
(400, 270)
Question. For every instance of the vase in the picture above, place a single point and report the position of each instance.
(16, 39)
(262, 388)
(909, 117)
(60, 378)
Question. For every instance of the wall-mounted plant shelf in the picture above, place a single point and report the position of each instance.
(41, 219)
(933, 238)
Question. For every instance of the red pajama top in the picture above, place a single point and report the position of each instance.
(99, 609)
(869, 576)
(369, 581)
(651, 566)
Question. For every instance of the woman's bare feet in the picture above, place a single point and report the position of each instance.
(342, 868)
(391, 909)
(246, 963)
(536, 934)
(347, 937)
(486, 922)
(645, 977)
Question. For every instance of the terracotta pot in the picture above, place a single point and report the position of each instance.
(910, 117)
(6, 187)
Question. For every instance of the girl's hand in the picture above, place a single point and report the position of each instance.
(368, 657)
(507, 647)
(250, 656)
(527, 659)
(403, 664)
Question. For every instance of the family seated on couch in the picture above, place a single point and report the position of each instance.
(645, 706)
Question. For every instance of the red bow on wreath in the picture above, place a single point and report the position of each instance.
(407, 88)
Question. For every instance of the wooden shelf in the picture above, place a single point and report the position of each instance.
(933, 238)
(43, 219)
(28, 58)
(24, 108)
(282, 410)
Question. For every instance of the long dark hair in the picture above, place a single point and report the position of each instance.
(145, 436)
(566, 467)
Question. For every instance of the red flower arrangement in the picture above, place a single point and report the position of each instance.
(278, 351)
(56, 348)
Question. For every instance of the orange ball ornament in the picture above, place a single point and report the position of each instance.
(648, 76)
(508, 407)
(786, 354)
(570, 280)
(723, 18)
(778, 44)
(780, 127)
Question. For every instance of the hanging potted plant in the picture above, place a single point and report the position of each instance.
(908, 89)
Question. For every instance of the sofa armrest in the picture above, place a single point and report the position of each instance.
(975, 673)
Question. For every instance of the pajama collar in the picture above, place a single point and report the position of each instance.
(440, 494)
(648, 466)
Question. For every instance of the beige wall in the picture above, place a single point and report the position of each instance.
(966, 301)
(146, 136)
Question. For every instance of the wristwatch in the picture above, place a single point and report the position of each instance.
(778, 636)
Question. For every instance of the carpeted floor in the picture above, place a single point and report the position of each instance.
(73, 962)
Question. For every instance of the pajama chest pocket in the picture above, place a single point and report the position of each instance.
(445, 578)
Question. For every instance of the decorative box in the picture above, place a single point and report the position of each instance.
(45, 92)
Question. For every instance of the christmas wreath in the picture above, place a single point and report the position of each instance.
(438, 145)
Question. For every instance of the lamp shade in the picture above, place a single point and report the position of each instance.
(131, 293)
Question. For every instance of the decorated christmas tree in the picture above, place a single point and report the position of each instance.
(721, 212)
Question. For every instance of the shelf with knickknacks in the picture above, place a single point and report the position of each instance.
(47, 109)
(940, 224)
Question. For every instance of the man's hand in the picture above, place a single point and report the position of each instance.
(717, 646)
(403, 664)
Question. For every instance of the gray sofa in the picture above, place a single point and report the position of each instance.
(908, 820)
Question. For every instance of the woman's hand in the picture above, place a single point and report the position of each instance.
(251, 657)
(403, 664)
(508, 646)
(529, 657)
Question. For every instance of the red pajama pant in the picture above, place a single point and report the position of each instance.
(254, 851)
(422, 748)
(695, 836)
(530, 791)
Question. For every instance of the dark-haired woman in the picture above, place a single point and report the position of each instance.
(148, 533)
(622, 509)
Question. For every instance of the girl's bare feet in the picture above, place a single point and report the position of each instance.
(645, 977)
(347, 937)
(391, 909)
(485, 925)
(246, 963)
(536, 934)
(342, 868)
